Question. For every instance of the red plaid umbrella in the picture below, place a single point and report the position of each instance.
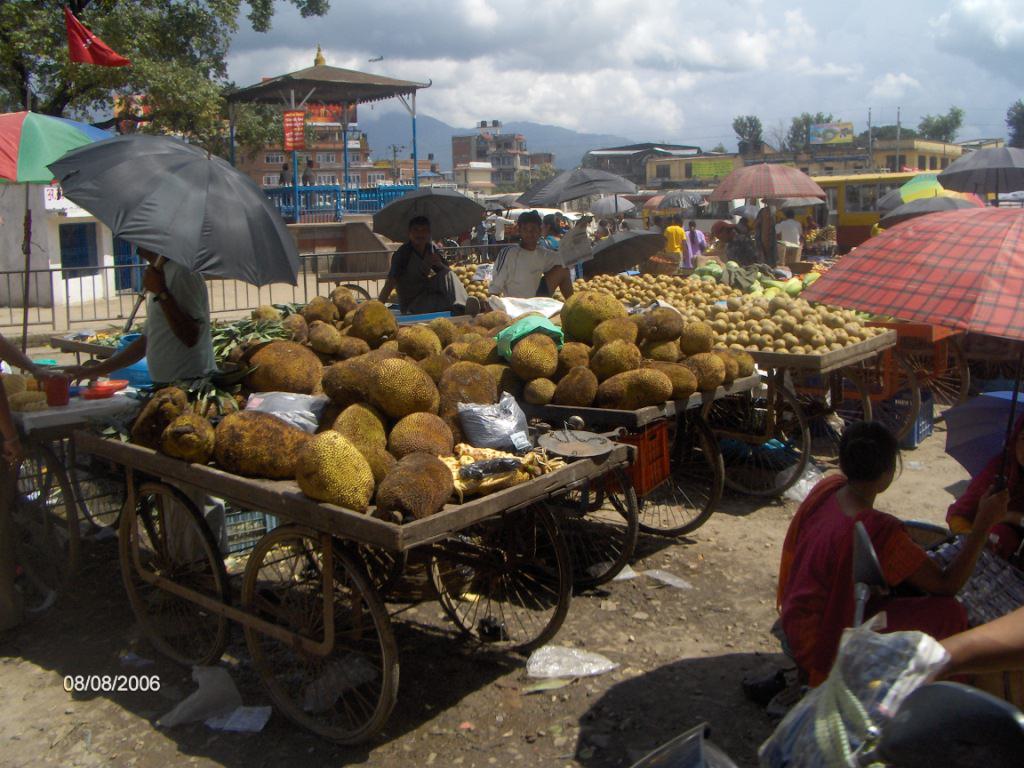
(961, 269)
(766, 180)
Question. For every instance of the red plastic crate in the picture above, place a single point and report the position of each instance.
(652, 465)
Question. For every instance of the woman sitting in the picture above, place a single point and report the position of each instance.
(1005, 537)
(815, 593)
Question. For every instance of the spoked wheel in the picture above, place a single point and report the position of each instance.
(899, 412)
(164, 536)
(100, 491)
(383, 567)
(940, 368)
(45, 529)
(685, 501)
(831, 406)
(599, 524)
(346, 690)
(506, 581)
(765, 445)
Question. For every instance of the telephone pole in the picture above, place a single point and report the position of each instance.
(899, 165)
(871, 154)
(395, 149)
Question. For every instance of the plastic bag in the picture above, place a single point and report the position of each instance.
(501, 426)
(478, 470)
(483, 274)
(802, 487)
(302, 411)
(872, 676)
(507, 338)
(556, 661)
(217, 695)
(516, 307)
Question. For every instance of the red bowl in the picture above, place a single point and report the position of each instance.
(95, 393)
(115, 384)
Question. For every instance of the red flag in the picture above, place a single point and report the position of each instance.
(86, 48)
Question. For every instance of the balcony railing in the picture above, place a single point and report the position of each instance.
(329, 202)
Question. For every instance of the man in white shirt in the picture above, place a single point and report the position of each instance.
(496, 224)
(791, 235)
(530, 269)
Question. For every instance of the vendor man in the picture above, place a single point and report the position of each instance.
(529, 269)
(176, 341)
(424, 281)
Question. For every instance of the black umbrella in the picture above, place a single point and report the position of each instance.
(890, 201)
(622, 251)
(746, 211)
(996, 170)
(181, 202)
(681, 198)
(450, 213)
(926, 205)
(574, 184)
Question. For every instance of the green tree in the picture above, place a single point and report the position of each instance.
(1015, 123)
(719, 147)
(942, 127)
(798, 137)
(177, 49)
(886, 133)
(749, 133)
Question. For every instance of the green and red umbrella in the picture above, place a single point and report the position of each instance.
(30, 141)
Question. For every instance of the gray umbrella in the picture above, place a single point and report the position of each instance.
(571, 185)
(681, 198)
(612, 205)
(925, 205)
(179, 201)
(622, 251)
(450, 213)
(1000, 169)
(797, 202)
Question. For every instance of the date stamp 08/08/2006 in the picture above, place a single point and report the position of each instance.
(111, 683)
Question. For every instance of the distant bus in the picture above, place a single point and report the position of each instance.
(853, 203)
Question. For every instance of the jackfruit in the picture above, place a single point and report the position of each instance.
(464, 382)
(189, 437)
(621, 328)
(708, 368)
(399, 387)
(266, 312)
(164, 407)
(578, 388)
(435, 365)
(320, 308)
(373, 323)
(585, 310)
(494, 320)
(731, 366)
(418, 342)
(539, 391)
(634, 389)
(297, 326)
(324, 338)
(345, 382)
(696, 338)
(483, 352)
(362, 424)
(614, 357)
(571, 355)
(417, 487)
(744, 362)
(258, 444)
(506, 379)
(350, 346)
(535, 357)
(660, 324)
(420, 433)
(330, 468)
(456, 350)
(684, 381)
(328, 416)
(391, 345)
(665, 351)
(344, 300)
(444, 329)
(381, 462)
(284, 366)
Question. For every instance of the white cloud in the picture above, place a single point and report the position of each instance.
(893, 86)
(988, 32)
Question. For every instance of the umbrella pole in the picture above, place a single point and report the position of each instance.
(141, 298)
(1001, 480)
(26, 247)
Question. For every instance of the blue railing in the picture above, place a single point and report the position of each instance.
(329, 202)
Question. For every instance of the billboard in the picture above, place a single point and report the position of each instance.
(332, 114)
(294, 130)
(831, 133)
(716, 168)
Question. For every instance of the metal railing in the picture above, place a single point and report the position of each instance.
(329, 202)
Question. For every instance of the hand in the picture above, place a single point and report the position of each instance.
(153, 280)
(78, 372)
(13, 451)
(991, 509)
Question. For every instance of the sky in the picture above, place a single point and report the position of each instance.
(667, 70)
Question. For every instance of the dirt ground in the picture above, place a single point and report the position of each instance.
(682, 654)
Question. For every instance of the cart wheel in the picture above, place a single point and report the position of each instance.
(45, 528)
(347, 694)
(757, 461)
(599, 524)
(172, 541)
(941, 369)
(383, 567)
(685, 501)
(506, 581)
(846, 400)
(899, 412)
(100, 491)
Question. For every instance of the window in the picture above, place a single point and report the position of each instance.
(661, 171)
(274, 158)
(270, 179)
(78, 253)
(375, 178)
(861, 197)
(832, 198)
(933, 163)
(323, 179)
(945, 162)
(922, 163)
(326, 158)
(688, 170)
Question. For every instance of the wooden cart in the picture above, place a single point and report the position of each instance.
(766, 435)
(313, 616)
(677, 476)
(934, 355)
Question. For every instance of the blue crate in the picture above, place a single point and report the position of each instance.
(923, 424)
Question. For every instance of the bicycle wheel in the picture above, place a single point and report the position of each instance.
(165, 536)
(828, 415)
(688, 497)
(506, 581)
(346, 695)
(599, 524)
(765, 445)
(46, 531)
(941, 369)
(100, 491)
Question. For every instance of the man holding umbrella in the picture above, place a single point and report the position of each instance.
(530, 269)
(425, 282)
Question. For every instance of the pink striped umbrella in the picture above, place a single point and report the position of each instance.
(766, 180)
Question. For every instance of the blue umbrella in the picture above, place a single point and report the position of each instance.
(976, 430)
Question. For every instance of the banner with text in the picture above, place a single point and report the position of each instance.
(831, 133)
(294, 129)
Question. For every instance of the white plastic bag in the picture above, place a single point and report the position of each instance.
(217, 696)
(557, 661)
(501, 426)
(802, 488)
(517, 307)
(302, 411)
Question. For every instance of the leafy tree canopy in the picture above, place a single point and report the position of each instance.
(941, 127)
(1015, 123)
(797, 137)
(749, 133)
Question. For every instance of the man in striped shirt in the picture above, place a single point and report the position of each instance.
(529, 269)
